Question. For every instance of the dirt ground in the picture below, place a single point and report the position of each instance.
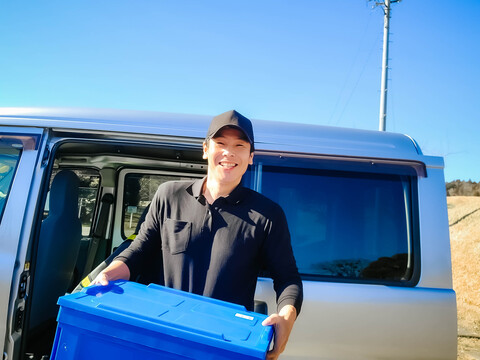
(464, 219)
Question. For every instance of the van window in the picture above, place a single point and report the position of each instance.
(139, 190)
(9, 157)
(87, 196)
(345, 225)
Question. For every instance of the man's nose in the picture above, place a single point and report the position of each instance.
(228, 151)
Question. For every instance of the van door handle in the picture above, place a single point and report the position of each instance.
(261, 307)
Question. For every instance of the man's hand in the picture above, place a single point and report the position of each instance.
(283, 324)
(116, 270)
(101, 279)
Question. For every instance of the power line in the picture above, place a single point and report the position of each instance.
(349, 76)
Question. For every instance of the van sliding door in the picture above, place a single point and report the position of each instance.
(355, 234)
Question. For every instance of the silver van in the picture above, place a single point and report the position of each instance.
(366, 210)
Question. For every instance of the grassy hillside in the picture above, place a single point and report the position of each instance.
(464, 219)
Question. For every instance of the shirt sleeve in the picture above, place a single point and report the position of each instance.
(147, 243)
(280, 262)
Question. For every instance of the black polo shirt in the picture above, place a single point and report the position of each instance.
(216, 250)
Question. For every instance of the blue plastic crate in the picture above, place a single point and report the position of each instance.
(126, 320)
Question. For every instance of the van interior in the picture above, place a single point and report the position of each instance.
(95, 195)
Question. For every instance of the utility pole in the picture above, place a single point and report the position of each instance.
(383, 91)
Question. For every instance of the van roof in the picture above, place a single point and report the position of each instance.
(269, 135)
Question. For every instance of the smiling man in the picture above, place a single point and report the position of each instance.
(213, 236)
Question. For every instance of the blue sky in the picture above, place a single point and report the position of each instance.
(310, 61)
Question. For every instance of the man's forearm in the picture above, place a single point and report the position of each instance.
(283, 324)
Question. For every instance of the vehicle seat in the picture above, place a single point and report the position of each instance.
(57, 251)
(150, 274)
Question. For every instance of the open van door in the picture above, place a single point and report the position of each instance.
(22, 152)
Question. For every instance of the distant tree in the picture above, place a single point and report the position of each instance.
(463, 188)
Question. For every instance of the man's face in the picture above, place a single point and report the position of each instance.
(228, 156)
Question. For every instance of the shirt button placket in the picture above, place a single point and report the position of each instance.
(207, 225)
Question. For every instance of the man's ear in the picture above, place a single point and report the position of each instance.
(250, 160)
(205, 151)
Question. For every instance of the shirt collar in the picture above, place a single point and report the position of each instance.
(235, 197)
(197, 187)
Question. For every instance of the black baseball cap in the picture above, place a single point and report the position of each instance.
(234, 119)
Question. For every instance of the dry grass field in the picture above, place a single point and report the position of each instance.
(464, 219)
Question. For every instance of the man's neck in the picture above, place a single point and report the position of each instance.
(212, 190)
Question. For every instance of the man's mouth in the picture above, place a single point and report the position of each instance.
(227, 165)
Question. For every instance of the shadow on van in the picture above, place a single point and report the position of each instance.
(385, 268)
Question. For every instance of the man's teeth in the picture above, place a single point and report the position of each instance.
(228, 165)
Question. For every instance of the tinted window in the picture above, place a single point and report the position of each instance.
(348, 225)
(9, 157)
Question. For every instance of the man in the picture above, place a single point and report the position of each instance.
(213, 236)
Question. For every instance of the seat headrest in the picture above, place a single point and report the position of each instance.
(64, 194)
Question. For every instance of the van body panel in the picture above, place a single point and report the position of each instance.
(17, 220)
(434, 231)
(341, 318)
(269, 135)
(370, 319)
